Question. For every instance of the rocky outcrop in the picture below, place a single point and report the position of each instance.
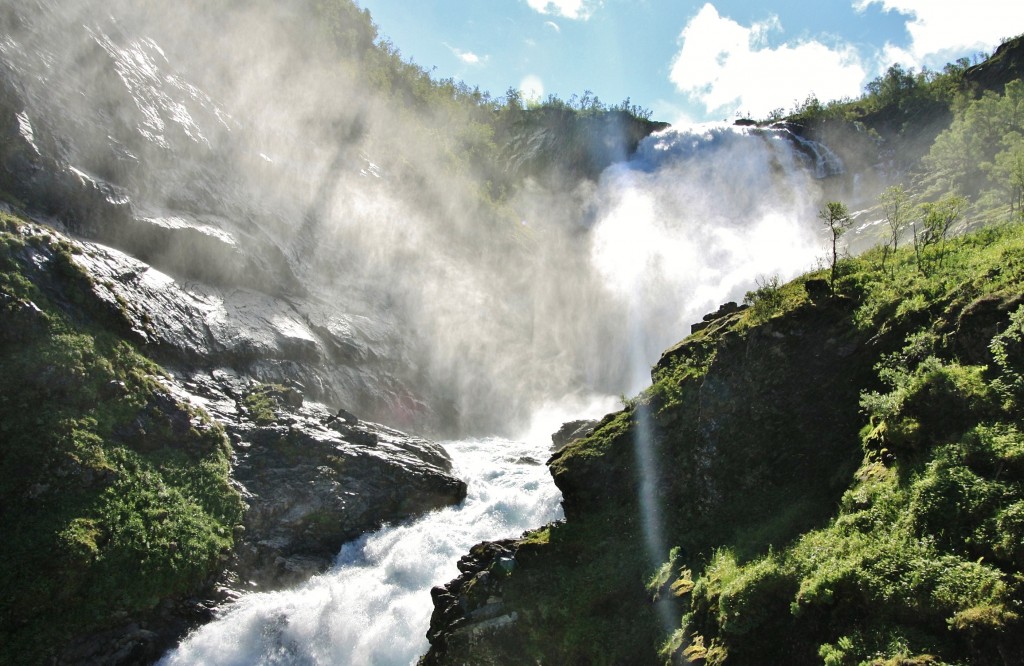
(724, 310)
(558, 145)
(1003, 66)
(310, 477)
(571, 431)
(338, 355)
(470, 609)
(312, 482)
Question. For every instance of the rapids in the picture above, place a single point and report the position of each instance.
(374, 606)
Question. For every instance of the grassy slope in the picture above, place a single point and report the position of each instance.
(114, 497)
(844, 481)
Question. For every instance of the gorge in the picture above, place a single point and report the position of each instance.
(247, 250)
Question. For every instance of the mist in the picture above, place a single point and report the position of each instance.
(239, 121)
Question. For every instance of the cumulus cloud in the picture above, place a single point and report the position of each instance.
(938, 29)
(570, 9)
(467, 57)
(729, 67)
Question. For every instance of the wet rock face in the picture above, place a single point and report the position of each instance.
(471, 606)
(312, 480)
(105, 136)
(570, 432)
(339, 355)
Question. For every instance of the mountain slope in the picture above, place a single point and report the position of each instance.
(838, 479)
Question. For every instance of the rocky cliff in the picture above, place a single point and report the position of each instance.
(824, 479)
(138, 498)
(144, 223)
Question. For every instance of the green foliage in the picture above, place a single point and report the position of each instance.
(115, 496)
(928, 404)
(836, 217)
(896, 205)
(264, 401)
(1008, 352)
(767, 299)
(920, 559)
(1008, 172)
(922, 562)
(937, 219)
(891, 104)
(980, 151)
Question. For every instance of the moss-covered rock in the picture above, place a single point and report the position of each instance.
(117, 503)
(841, 479)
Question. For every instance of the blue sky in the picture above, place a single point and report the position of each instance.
(687, 60)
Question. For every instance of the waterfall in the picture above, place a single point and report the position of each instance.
(291, 184)
(693, 219)
(283, 207)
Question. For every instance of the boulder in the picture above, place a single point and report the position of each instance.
(571, 431)
(312, 483)
(472, 604)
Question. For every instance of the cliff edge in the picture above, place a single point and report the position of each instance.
(812, 479)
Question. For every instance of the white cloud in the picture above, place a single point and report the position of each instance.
(570, 9)
(467, 57)
(554, 26)
(939, 28)
(731, 68)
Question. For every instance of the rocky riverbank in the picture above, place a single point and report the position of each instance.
(297, 480)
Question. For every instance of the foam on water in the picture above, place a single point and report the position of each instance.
(374, 606)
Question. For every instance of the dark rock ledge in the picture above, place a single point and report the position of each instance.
(471, 605)
(313, 481)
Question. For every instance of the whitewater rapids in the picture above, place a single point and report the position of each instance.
(374, 606)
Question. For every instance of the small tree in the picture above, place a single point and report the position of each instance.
(837, 218)
(896, 204)
(937, 218)
(1008, 169)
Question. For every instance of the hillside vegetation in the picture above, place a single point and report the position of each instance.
(839, 480)
(116, 499)
(833, 475)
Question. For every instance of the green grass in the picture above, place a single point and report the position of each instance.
(115, 497)
(922, 561)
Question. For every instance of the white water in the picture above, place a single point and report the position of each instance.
(687, 224)
(374, 606)
(692, 221)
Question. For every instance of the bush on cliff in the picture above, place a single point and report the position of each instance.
(922, 561)
(115, 496)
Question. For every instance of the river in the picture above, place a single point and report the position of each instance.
(374, 605)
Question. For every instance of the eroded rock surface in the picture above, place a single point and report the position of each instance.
(471, 606)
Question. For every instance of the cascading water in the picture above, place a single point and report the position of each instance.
(682, 226)
(374, 606)
(693, 219)
(409, 289)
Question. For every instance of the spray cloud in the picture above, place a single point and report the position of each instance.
(249, 121)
